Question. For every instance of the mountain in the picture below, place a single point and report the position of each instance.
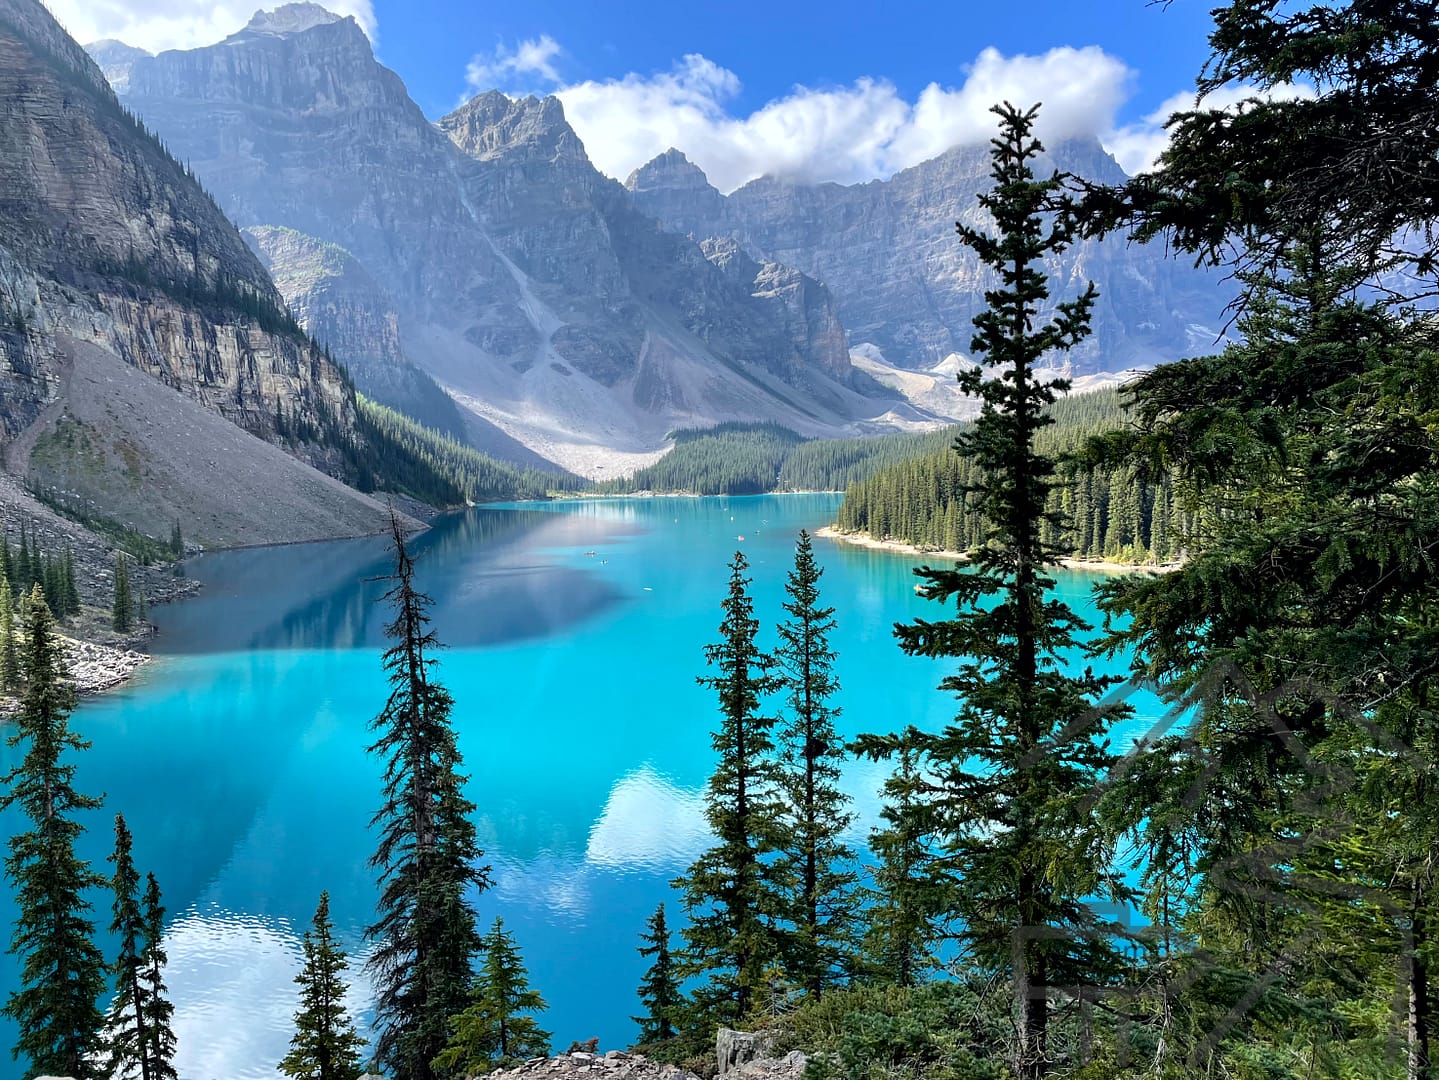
(147, 362)
(905, 286)
(527, 283)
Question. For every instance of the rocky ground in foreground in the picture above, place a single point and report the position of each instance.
(739, 1055)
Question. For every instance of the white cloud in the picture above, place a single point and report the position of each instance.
(1137, 146)
(157, 25)
(847, 133)
(531, 61)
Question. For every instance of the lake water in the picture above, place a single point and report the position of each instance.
(575, 631)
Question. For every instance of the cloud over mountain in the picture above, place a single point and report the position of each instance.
(155, 25)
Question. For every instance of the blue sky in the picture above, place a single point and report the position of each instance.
(842, 90)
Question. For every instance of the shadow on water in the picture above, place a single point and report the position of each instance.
(486, 569)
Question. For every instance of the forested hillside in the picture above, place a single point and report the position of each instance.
(1109, 511)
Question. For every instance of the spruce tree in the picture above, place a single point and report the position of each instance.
(325, 1045)
(9, 653)
(158, 1010)
(131, 1043)
(62, 973)
(659, 990)
(177, 542)
(910, 887)
(72, 594)
(428, 857)
(24, 565)
(494, 1031)
(123, 611)
(1013, 771)
(735, 892)
(824, 913)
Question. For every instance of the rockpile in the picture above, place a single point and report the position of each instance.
(740, 1055)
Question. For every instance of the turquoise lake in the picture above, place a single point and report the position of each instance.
(574, 633)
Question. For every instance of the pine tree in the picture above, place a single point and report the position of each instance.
(810, 751)
(325, 1045)
(493, 1030)
(123, 611)
(62, 973)
(177, 542)
(734, 893)
(158, 1010)
(659, 990)
(1015, 767)
(9, 654)
(428, 857)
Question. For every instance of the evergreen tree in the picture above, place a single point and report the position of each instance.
(142, 608)
(428, 856)
(123, 611)
(130, 1041)
(7, 557)
(810, 752)
(735, 892)
(910, 889)
(62, 973)
(1013, 771)
(158, 1010)
(659, 991)
(72, 594)
(177, 542)
(24, 565)
(325, 1045)
(9, 654)
(493, 1031)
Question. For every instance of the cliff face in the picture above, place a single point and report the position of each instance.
(110, 251)
(522, 279)
(901, 280)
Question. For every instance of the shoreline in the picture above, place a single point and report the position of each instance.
(895, 547)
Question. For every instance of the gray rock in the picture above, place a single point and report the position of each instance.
(900, 278)
(501, 260)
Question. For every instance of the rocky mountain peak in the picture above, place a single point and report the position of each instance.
(116, 59)
(292, 19)
(490, 125)
(670, 171)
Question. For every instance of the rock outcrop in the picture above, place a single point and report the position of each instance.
(523, 280)
(131, 311)
(901, 280)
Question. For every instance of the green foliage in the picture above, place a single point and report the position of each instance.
(138, 1035)
(728, 459)
(1010, 778)
(659, 991)
(493, 1031)
(816, 813)
(9, 652)
(408, 457)
(177, 542)
(735, 893)
(1099, 510)
(158, 1010)
(428, 856)
(940, 1031)
(122, 612)
(62, 973)
(325, 1045)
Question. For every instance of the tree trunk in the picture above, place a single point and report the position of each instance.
(1418, 1027)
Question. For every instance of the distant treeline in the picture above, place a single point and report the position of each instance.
(908, 486)
(752, 459)
(436, 469)
(1115, 512)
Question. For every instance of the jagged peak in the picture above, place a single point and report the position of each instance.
(292, 19)
(670, 169)
(491, 124)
